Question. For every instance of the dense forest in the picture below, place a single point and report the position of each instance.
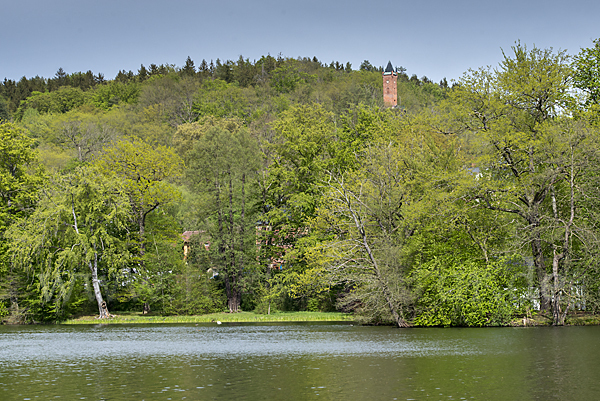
(286, 184)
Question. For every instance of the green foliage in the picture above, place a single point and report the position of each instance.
(363, 211)
(81, 133)
(355, 202)
(3, 311)
(466, 293)
(587, 73)
(172, 97)
(144, 171)
(304, 148)
(195, 294)
(187, 135)
(78, 229)
(4, 111)
(38, 125)
(224, 163)
(197, 289)
(154, 281)
(20, 175)
(58, 101)
(288, 77)
(146, 124)
(114, 93)
(533, 156)
(20, 179)
(221, 99)
(271, 294)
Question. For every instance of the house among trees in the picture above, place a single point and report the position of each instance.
(275, 261)
(390, 86)
(187, 239)
(277, 251)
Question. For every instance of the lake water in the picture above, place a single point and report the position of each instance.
(297, 362)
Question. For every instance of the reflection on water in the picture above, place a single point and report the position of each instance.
(297, 362)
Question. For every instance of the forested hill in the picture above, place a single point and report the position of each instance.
(338, 85)
(286, 184)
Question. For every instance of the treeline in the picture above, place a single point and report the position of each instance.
(298, 190)
(243, 72)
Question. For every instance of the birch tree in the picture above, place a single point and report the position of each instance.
(78, 229)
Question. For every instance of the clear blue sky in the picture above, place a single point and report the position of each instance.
(428, 37)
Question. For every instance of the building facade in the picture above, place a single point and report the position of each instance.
(390, 86)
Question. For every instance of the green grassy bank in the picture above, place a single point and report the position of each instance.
(250, 317)
(241, 317)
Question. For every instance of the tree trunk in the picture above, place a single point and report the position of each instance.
(542, 277)
(400, 322)
(222, 253)
(558, 317)
(232, 282)
(537, 252)
(233, 301)
(142, 228)
(102, 307)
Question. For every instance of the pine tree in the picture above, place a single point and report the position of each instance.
(142, 73)
(188, 69)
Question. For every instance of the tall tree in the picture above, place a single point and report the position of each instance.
(223, 165)
(368, 217)
(4, 112)
(172, 97)
(189, 68)
(145, 172)
(83, 133)
(587, 73)
(517, 111)
(142, 73)
(20, 174)
(20, 179)
(79, 227)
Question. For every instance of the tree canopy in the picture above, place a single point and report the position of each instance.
(286, 184)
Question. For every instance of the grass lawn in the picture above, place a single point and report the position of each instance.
(249, 317)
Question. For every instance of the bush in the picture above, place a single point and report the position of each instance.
(466, 294)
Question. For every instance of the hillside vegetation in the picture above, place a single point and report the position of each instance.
(297, 190)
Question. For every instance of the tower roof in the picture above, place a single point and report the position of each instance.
(389, 67)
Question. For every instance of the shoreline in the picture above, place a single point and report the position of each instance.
(224, 317)
(299, 317)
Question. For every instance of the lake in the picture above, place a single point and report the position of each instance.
(301, 361)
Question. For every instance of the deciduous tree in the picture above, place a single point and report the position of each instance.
(79, 227)
(532, 152)
(224, 165)
(21, 176)
(145, 172)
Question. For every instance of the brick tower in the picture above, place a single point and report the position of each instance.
(390, 86)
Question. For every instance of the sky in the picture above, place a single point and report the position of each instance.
(433, 38)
